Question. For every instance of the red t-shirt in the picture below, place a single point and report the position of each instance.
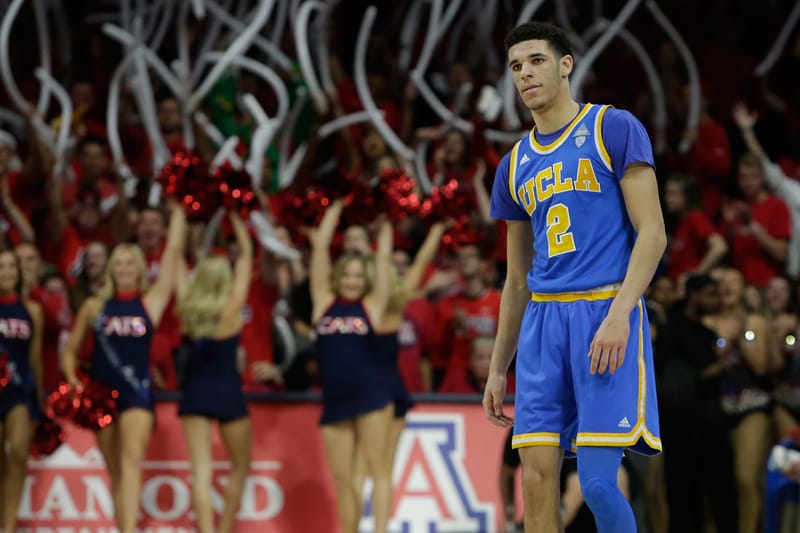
(256, 339)
(688, 244)
(747, 255)
(57, 320)
(417, 341)
(480, 317)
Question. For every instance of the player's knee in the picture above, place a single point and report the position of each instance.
(601, 495)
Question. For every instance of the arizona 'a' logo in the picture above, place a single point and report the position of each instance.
(432, 490)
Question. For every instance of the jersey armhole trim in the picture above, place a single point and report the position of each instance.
(512, 172)
(601, 147)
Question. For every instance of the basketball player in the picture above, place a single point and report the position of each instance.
(585, 234)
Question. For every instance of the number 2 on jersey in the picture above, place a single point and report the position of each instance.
(559, 238)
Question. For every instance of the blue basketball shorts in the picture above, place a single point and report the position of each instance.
(559, 402)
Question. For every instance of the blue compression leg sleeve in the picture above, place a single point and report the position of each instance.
(597, 471)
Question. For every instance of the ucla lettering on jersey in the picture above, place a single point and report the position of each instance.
(582, 235)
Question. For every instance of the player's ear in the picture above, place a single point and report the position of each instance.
(566, 64)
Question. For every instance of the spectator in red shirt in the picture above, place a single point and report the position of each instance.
(472, 312)
(694, 243)
(472, 379)
(757, 226)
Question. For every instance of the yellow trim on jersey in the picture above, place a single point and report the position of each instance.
(640, 429)
(535, 439)
(598, 138)
(589, 296)
(540, 149)
(512, 172)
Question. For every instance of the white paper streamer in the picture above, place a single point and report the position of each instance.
(343, 122)
(259, 144)
(421, 167)
(266, 236)
(237, 48)
(128, 40)
(438, 107)
(66, 116)
(323, 58)
(659, 99)
(182, 33)
(360, 76)
(407, 34)
(154, 195)
(9, 140)
(693, 117)
(43, 35)
(211, 131)
(5, 63)
(286, 177)
(199, 9)
(286, 174)
(227, 153)
(780, 42)
(14, 120)
(143, 94)
(582, 68)
(268, 75)
(112, 110)
(263, 44)
(431, 37)
(304, 54)
(164, 22)
(276, 31)
(563, 19)
(209, 41)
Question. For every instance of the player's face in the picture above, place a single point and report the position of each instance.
(674, 199)
(538, 74)
(125, 271)
(353, 282)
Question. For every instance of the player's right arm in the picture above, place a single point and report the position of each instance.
(514, 299)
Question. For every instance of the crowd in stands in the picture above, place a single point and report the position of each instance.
(724, 307)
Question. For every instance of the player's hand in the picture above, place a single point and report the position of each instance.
(607, 350)
(493, 401)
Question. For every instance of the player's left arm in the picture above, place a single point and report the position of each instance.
(640, 193)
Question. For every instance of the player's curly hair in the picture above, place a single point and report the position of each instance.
(540, 31)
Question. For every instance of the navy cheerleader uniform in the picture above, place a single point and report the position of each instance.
(121, 356)
(212, 386)
(16, 330)
(352, 383)
(743, 392)
(387, 351)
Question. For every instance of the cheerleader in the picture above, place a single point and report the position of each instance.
(349, 305)
(21, 399)
(210, 309)
(122, 318)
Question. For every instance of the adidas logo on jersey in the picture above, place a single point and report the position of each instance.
(624, 423)
(580, 135)
(524, 159)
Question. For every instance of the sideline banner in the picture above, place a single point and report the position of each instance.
(445, 477)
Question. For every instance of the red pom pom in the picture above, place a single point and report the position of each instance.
(48, 437)
(396, 195)
(98, 406)
(297, 210)
(185, 178)
(62, 403)
(236, 190)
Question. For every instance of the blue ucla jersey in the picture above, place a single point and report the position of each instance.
(16, 330)
(567, 184)
(121, 355)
